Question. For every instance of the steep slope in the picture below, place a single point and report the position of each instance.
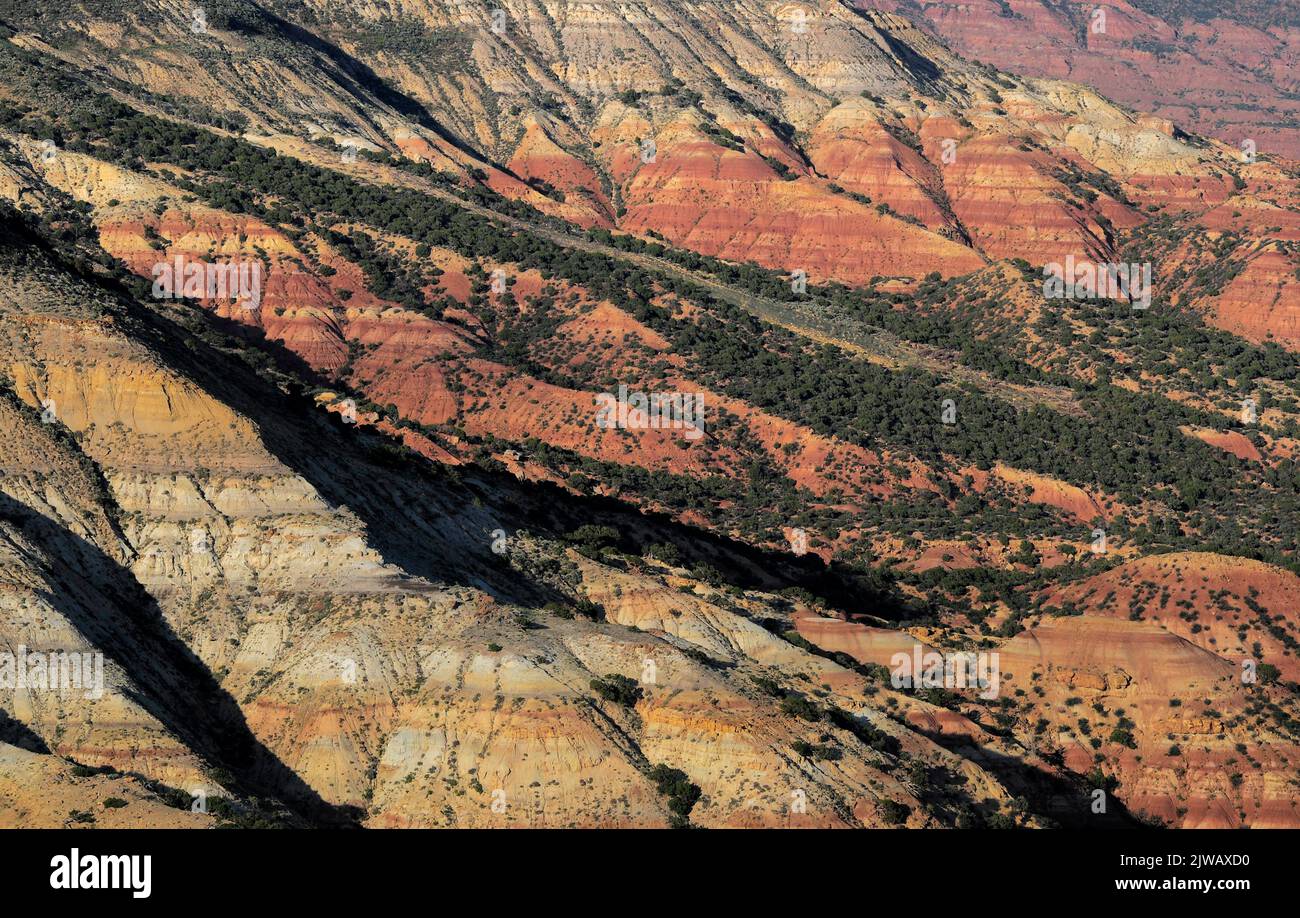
(369, 508)
(844, 144)
(1241, 610)
(40, 791)
(392, 698)
(1222, 69)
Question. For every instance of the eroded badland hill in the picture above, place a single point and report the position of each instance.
(349, 523)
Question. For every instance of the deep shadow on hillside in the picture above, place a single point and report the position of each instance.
(105, 603)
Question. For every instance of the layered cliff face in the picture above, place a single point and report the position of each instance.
(1226, 70)
(40, 791)
(362, 689)
(445, 375)
(1209, 756)
(1234, 607)
(1189, 742)
(817, 139)
(363, 498)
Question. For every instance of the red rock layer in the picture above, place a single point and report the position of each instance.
(1223, 78)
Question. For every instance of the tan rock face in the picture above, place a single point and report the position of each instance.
(293, 607)
(40, 791)
(863, 643)
(60, 547)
